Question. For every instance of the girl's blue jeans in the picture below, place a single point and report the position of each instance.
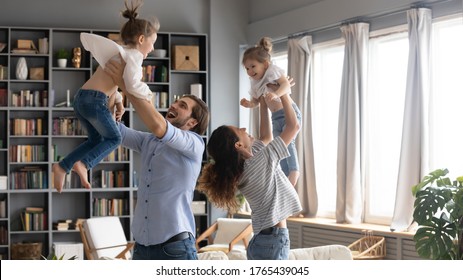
(91, 108)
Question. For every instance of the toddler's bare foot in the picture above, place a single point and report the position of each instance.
(59, 174)
(81, 170)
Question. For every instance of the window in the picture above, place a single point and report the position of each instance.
(281, 60)
(387, 72)
(327, 72)
(447, 96)
(385, 101)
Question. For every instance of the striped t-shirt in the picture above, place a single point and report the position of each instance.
(270, 194)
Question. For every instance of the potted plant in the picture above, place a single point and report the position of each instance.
(53, 257)
(439, 214)
(62, 56)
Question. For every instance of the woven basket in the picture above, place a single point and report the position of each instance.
(26, 251)
(368, 248)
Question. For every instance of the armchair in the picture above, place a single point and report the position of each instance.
(230, 234)
(104, 237)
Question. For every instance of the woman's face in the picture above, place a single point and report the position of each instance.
(245, 140)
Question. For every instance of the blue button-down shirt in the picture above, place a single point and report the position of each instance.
(169, 169)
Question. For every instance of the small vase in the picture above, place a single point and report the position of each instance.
(21, 69)
(43, 45)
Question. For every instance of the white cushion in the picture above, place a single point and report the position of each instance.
(213, 255)
(237, 254)
(105, 232)
(328, 252)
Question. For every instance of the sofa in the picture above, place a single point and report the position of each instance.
(328, 252)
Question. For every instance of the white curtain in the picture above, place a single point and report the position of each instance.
(414, 155)
(299, 64)
(349, 199)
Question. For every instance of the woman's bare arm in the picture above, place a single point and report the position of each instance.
(291, 124)
(265, 128)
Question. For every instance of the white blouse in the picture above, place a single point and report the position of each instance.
(104, 49)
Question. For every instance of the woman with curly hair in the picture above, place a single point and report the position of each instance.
(241, 163)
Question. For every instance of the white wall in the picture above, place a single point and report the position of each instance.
(228, 31)
(174, 15)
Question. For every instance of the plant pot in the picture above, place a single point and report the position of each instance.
(62, 62)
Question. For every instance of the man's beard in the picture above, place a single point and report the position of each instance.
(179, 123)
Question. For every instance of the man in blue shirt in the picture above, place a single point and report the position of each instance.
(171, 157)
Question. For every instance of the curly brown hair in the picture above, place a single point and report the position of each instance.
(219, 178)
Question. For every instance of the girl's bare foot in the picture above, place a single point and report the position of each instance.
(59, 174)
(81, 170)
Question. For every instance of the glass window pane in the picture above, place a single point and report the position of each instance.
(327, 65)
(447, 96)
(388, 58)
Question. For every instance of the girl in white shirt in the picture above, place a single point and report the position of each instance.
(92, 99)
(261, 71)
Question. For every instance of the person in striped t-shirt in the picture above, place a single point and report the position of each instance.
(241, 163)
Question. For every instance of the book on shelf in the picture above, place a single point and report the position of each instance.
(3, 182)
(66, 224)
(3, 208)
(24, 51)
(3, 97)
(33, 209)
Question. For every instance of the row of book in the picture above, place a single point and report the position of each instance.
(160, 99)
(67, 126)
(29, 177)
(112, 179)
(110, 206)
(28, 98)
(153, 73)
(67, 224)
(34, 219)
(118, 154)
(28, 127)
(27, 153)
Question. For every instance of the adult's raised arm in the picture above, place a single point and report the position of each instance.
(291, 124)
(153, 120)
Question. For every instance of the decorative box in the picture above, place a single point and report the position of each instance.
(185, 57)
(36, 73)
(68, 250)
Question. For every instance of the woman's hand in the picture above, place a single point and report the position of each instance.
(274, 87)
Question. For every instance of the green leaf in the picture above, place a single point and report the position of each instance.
(435, 240)
(429, 179)
(429, 201)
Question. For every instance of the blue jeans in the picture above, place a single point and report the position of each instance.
(273, 246)
(91, 108)
(178, 250)
(290, 163)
